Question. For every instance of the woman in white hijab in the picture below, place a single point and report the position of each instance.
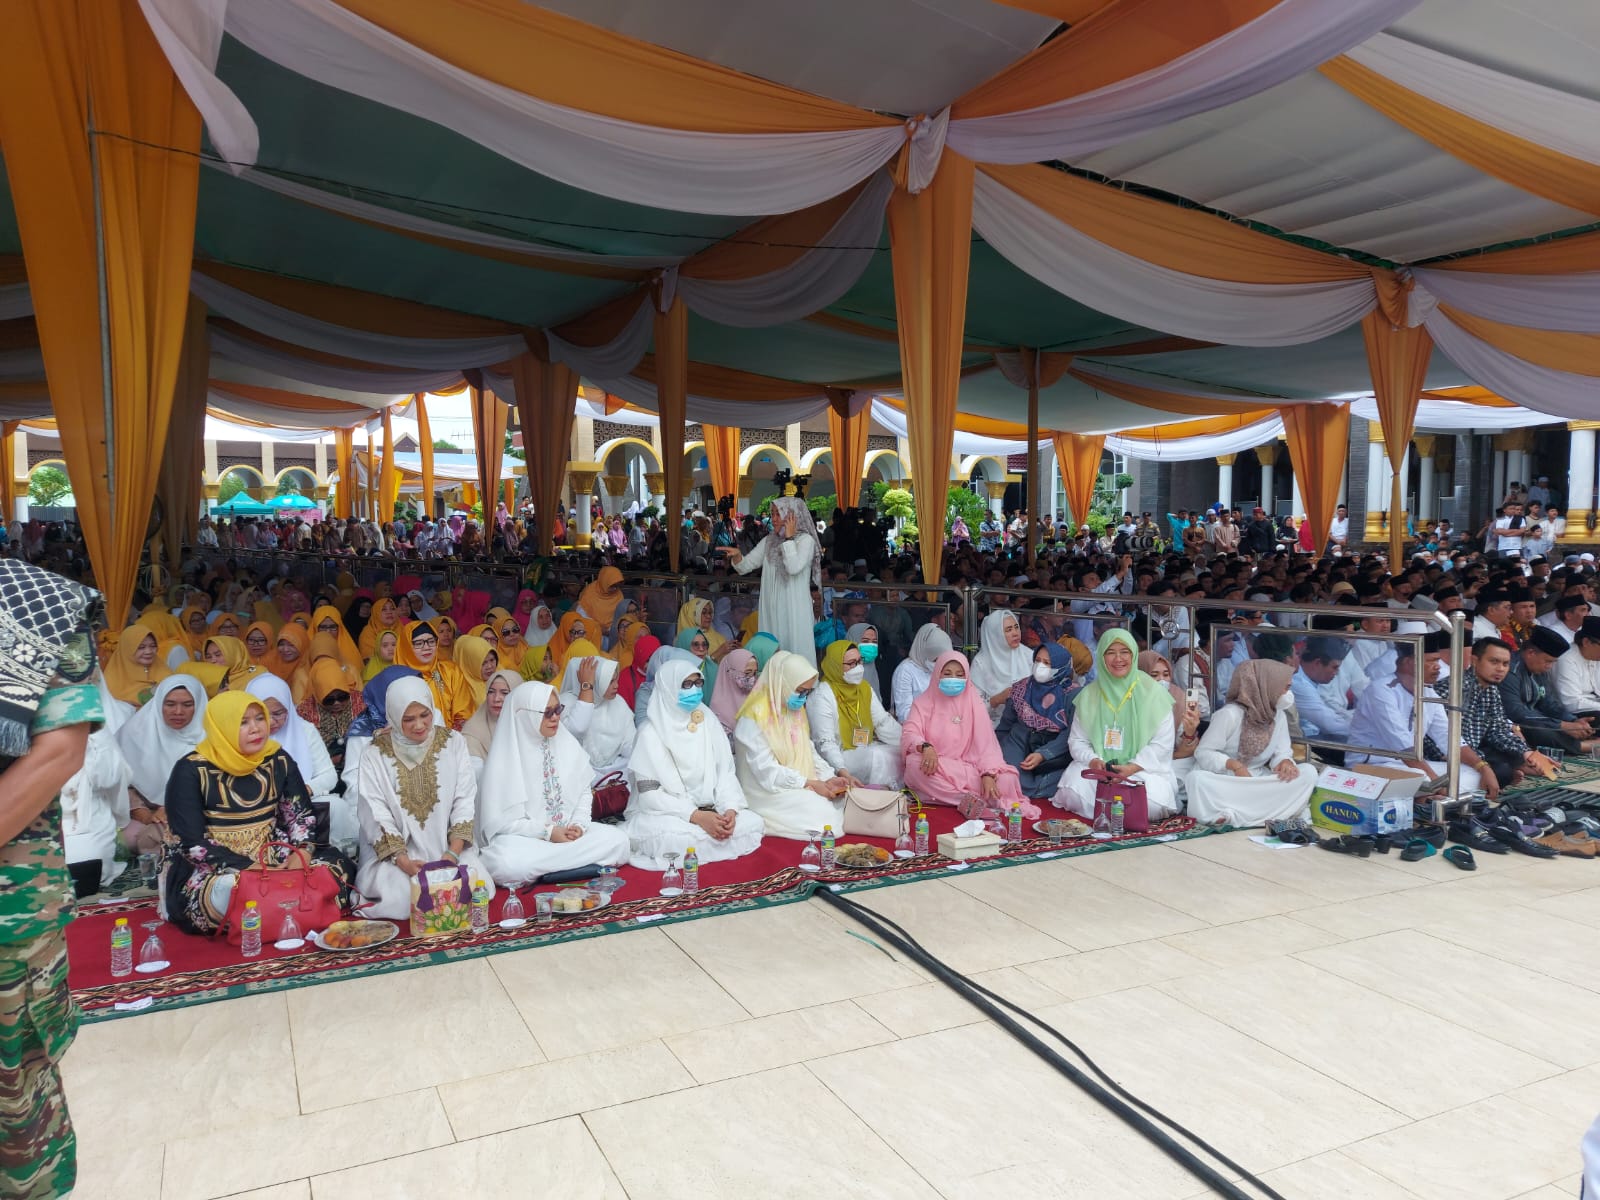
(790, 561)
(538, 805)
(595, 715)
(915, 672)
(685, 788)
(785, 777)
(541, 628)
(153, 739)
(480, 727)
(416, 798)
(1002, 660)
(301, 742)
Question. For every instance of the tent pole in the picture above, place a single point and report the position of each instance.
(1035, 514)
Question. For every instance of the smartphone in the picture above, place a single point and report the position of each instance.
(1197, 695)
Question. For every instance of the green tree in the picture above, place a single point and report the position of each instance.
(895, 503)
(964, 503)
(444, 447)
(511, 451)
(230, 487)
(48, 487)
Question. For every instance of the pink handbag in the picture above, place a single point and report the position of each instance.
(1135, 804)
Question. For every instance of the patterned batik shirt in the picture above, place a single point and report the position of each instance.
(35, 887)
(1484, 726)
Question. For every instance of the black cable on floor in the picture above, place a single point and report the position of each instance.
(1112, 1096)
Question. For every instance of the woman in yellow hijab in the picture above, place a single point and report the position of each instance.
(511, 648)
(632, 631)
(699, 614)
(601, 597)
(171, 645)
(385, 616)
(223, 624)
(193, 623)
(134, 668)
(324, 649)
(574, 627)
(287, 657)
(449, 635)
(419, 650)
(230, 654)
(259, 640)
(386, 655)
(326, 620)
(477, 660)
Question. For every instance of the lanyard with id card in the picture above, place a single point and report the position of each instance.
(1111, 742)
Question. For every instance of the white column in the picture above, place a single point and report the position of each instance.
(1266, 487)
(1377, 485)
(1344, 483)
(1225, 479)
(269, 464)
(1580, 479)
(1517, 468)
(1425, 499)
(1499, 479)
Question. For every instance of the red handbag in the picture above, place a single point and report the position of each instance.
(610, 798)
(312, 887)
(1135, 804)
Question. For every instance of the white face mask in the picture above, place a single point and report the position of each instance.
(854, 675)
(1043, 672)
(1285, 702)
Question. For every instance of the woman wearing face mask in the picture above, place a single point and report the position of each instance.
(736, 679)
(1244, 768)
(1033, 729)
(915, 673)
(949, 748)
(479, 731)
(866, 639)
(698, 644)
(1122, 723)
(1001, 662)
(537, 815)
(595, 715)
(686, 789)
(784, 776)
(416, 798)
(853, 731)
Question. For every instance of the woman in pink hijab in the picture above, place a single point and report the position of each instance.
(949, 745)
(736, 678)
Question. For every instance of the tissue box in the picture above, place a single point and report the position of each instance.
(981, 845)
(1364, 799)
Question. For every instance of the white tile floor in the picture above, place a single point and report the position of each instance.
(1348, 1029)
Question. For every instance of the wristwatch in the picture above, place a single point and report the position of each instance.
(925, 746)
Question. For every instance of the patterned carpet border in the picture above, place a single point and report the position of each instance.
(787, 886)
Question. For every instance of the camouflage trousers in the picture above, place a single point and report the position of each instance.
(38, 1152)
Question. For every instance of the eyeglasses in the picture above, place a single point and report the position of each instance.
(551, 714)
(424, 643)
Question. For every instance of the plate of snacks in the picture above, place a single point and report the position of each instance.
(858, 856)
(355, 935)
(570, 900)
(1056, 827)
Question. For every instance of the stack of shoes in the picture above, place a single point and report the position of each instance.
(1569, 845)
(1469, 831)
(1505, 827)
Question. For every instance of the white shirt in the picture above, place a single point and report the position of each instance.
(1552, 620)
(1508, 540)
(1339, 529)
(1324, 712)
(1482, 627)
(1386, 716)
(1221, 742)
(1577, 682)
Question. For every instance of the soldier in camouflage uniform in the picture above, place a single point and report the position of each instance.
(48, 705)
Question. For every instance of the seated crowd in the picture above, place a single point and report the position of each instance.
(388, 729)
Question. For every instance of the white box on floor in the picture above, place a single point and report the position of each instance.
(1365, 799)
(982, 845)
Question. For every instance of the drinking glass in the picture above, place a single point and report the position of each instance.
(671, 878)
(513, 916)
(289, 935)
(1102, 824)
(904, 845)
(811, 857)
(1559, 757)
(542, 902)
(149, 869)
(152, 955)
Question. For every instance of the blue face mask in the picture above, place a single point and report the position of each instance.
(797, 701)
(690, 697)
(869, 651)
(952, 687)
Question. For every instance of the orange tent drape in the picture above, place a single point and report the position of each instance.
(1397, 356)
(1318, 436)
(345, 459)
(1079, 457)
(388, 474)
(672, 399)
(722, 458)
(847, 437)
(183, 460)
(488, 440)
(372, 481)
(546, 392)
(425, 445)
(8, 471)
(930, 238)
(58, 60)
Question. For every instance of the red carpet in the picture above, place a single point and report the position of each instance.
(209, 969)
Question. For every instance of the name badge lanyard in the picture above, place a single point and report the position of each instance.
(1112, 742)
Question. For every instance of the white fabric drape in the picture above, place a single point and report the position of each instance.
(1564, 303)
(1289, 39)
(894, 421)
(424, 354)
(219, 428)
(710, 411)
(616, 357)
(15, 301)
(1558, 393)
(284, 365)
(249, 409)
(1188, 449)
(190, 35)
(1563, 121)
(1448, 415)
(1213, 310)
(686, 171)
(809, 284)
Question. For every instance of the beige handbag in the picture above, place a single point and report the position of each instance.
(871, 812)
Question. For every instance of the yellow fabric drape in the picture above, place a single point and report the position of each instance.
(930, 239)
(183, 460)
(1079, 457)
(546, 392)
(345, 458)
(425, 444)
(1199, 428)
(1116, 43)
(1397, 356)
(8, 480)
(488, 441)
(672, 398)
(1165, 401)
(1560, 256)
(1318, 437)
(508, 490)
(388, 475)
(1179, 239)
(60, 60)
(289, 402)
(564, 61)
(1578, 353)
(847, 437)
(1471, 394)
(1521, 163)
(372, 480)
(722, 458)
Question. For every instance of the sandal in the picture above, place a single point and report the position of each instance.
(1361, 847)
(1416, 850)
(1298, 837)
(1462, 857)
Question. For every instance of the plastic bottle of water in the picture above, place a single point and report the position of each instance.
(250, 931)
(121, 948)
(691, 872)
(481, 895)
(1014, 823)
(922, 833)
(1116, 816)
(827, 848)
